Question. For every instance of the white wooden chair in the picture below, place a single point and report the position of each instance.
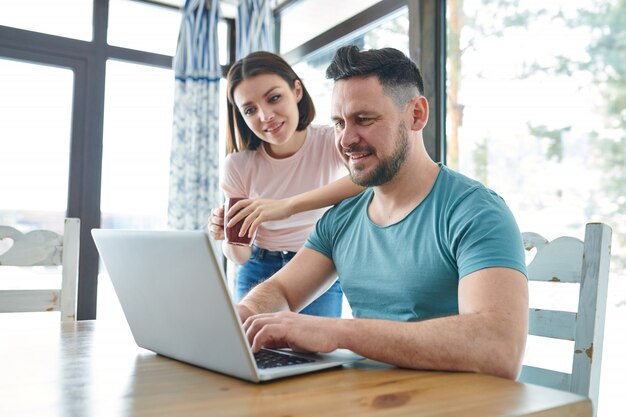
(43, 248)
(568, 260)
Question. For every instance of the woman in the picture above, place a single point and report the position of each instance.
(287, 168)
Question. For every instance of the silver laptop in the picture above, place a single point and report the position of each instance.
(173, 292)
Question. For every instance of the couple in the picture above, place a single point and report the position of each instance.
(431, 262)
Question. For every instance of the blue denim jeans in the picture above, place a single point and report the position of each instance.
(264, 263)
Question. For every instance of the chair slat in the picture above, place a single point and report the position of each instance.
(552, 323)
(38, 247)
(42, 248)
(558, 261)
(19, 301)
(545, 377)
(592, 310)
(71, 250)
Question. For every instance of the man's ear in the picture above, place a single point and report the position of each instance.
(297, 88)
(419, 112)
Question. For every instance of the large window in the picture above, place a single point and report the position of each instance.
(307, 19)
(67, 18)
(57, 59)
(157, 32)
(35, 130)
(536, 99)
(136, 147)
(390, 31)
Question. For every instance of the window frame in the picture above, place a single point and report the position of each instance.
(87, 59)
(427, 45)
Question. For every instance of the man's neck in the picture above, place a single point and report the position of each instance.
(394, 200)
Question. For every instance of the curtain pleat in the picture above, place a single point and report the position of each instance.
(255, 27)
(194, 162)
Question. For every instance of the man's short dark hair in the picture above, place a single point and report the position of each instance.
(397, 74)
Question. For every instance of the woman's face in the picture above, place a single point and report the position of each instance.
(269, 107)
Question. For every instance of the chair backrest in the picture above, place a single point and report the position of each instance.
(568, 260)
(43, 248)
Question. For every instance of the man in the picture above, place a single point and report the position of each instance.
(431, 262)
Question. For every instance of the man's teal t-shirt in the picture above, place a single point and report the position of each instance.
(410, 270)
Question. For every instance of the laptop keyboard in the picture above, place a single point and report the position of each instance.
(272, 359)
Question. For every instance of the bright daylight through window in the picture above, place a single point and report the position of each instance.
(536, 99)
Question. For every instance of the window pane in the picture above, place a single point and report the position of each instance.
(307, 19)
(222, 39)
(67, 18)
(390, 32)
(135, 163)
(136, 145)
(35, 133)
(536, 99)
(143, 26)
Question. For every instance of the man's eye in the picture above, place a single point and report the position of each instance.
(339, 124)
(365, 120)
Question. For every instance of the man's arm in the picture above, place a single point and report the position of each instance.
(307, 276)
(488, 335)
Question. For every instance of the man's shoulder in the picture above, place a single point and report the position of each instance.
(459, 187)
(454, 178)
(350, 206)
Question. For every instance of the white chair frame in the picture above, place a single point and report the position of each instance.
(568, 260)
(43, 248)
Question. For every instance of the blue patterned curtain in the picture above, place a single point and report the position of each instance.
(255, 27)
(194, 162)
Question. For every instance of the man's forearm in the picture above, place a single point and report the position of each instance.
(481, 342)
(267, 297)
(487, 336)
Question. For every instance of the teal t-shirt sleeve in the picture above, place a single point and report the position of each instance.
(485, 234)
(320, 238)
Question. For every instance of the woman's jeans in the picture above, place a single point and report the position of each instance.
(264, 263)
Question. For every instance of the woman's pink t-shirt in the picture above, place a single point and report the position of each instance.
(255, 174)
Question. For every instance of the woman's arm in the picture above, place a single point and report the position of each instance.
(258, 211)
(325, 196)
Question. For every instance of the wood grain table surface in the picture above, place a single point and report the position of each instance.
(94, 368)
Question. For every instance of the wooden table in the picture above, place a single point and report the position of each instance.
(92, 368)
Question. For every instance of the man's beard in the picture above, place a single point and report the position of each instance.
(388, 167)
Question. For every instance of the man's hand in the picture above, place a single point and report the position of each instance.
(244, 312)
(300, 332)
(256, 212)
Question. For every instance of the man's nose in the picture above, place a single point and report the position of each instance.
(348, 137)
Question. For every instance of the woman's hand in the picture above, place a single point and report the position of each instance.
(236, 254)
(256, 212)
(216, 223)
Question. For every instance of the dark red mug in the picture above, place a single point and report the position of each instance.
(232, 233)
